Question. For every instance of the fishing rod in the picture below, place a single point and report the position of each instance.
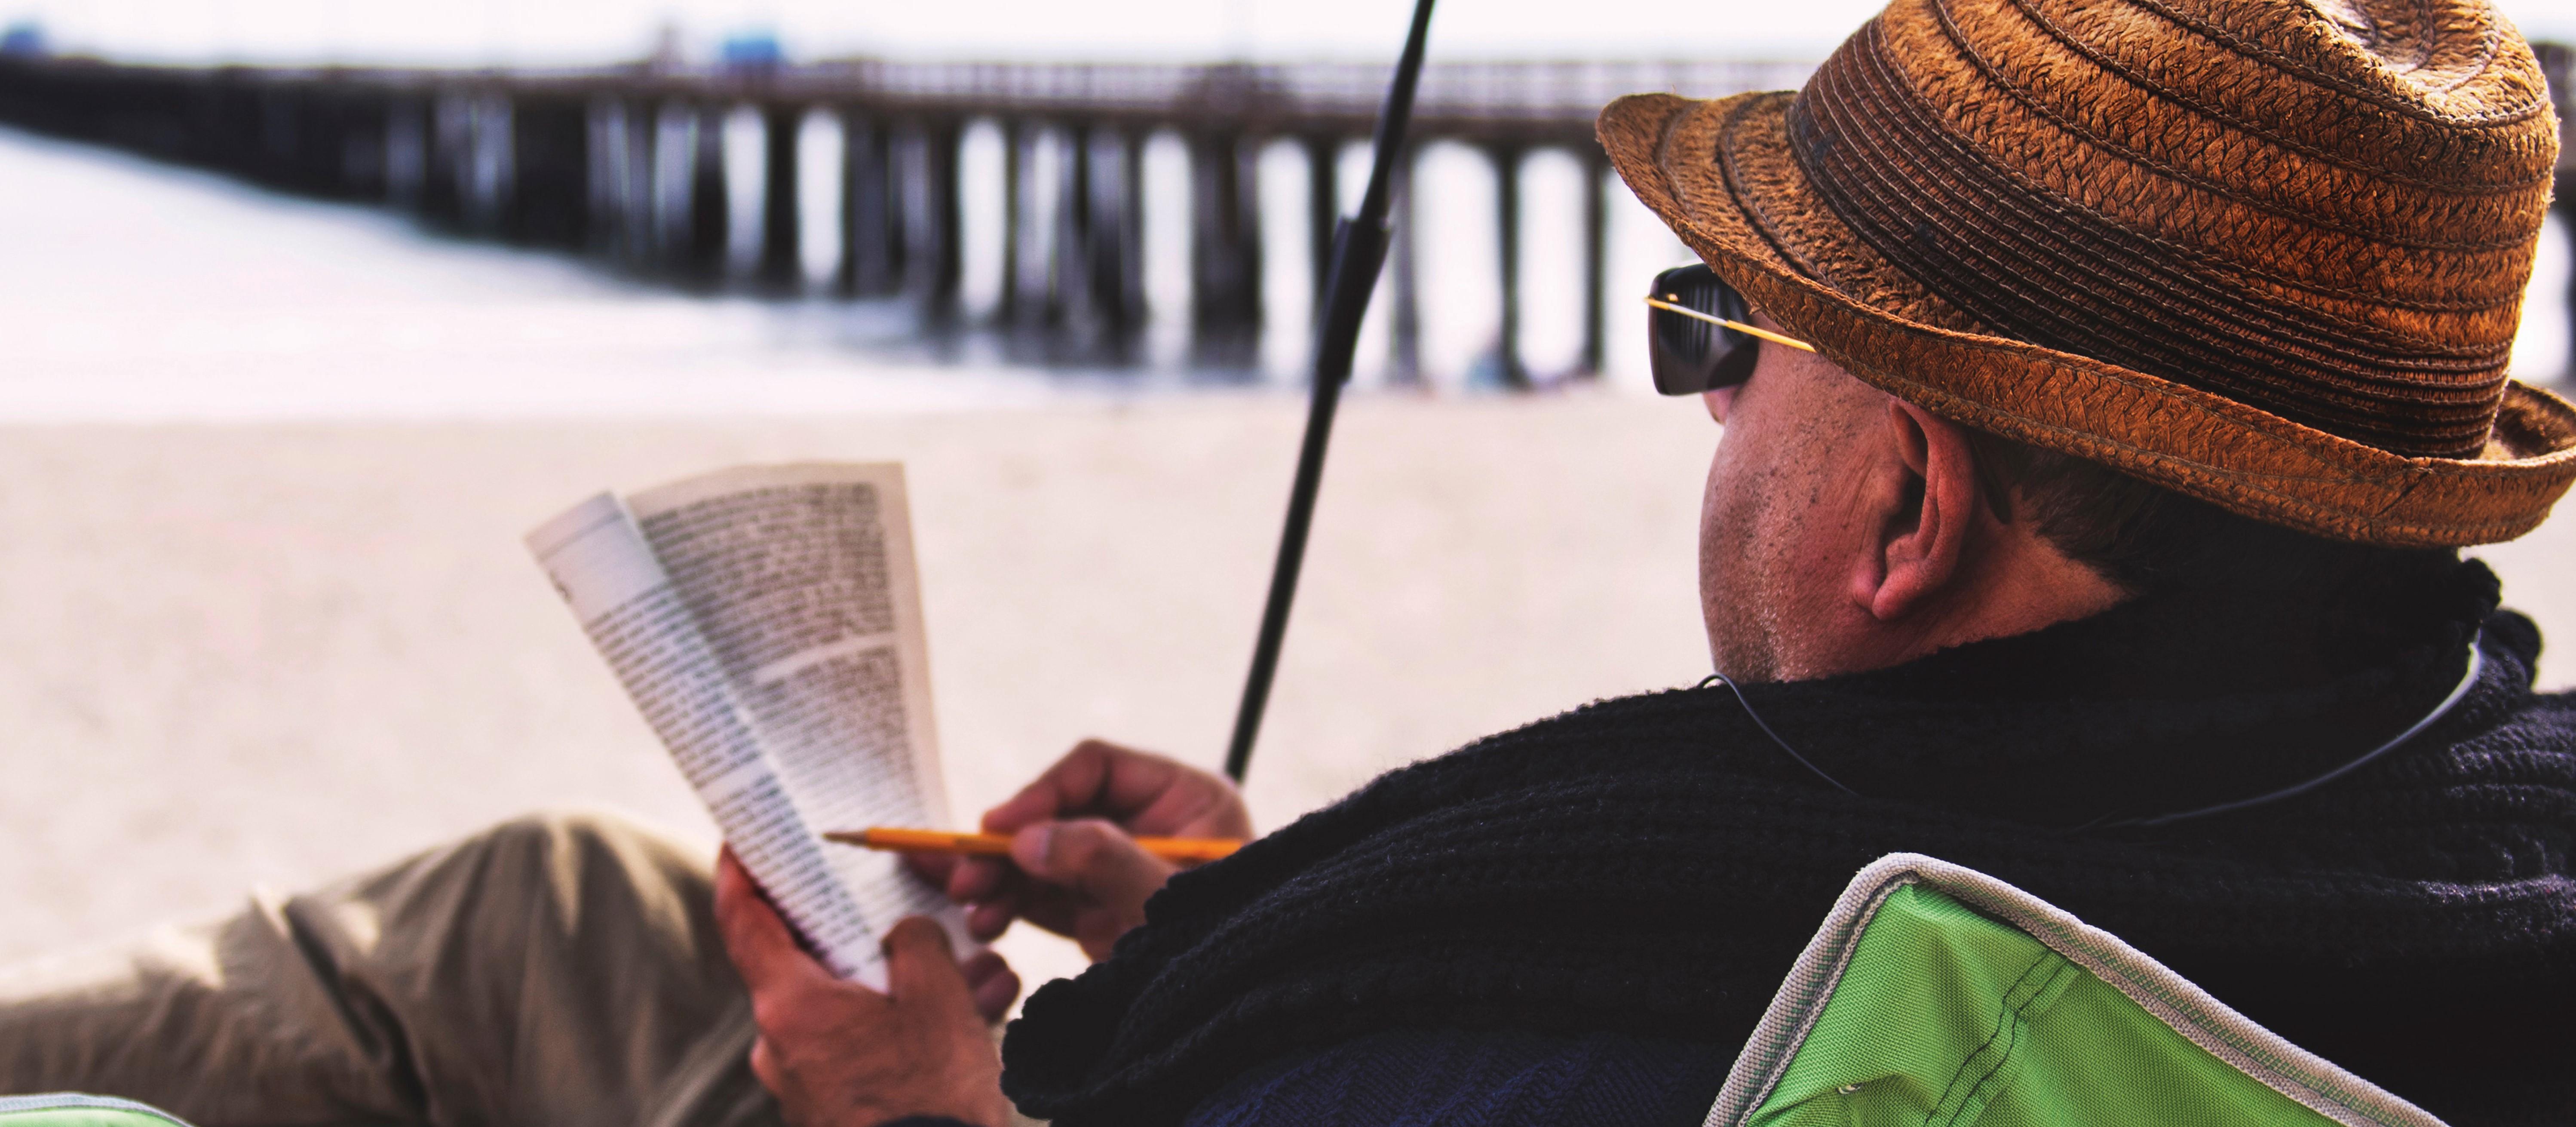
(1359, 250)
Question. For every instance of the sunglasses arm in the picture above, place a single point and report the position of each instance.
(1738, 326)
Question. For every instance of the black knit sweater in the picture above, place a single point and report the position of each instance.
(1650, 866)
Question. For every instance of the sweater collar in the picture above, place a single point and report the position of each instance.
(2173, 702)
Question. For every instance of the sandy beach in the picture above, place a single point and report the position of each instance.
(265, 654)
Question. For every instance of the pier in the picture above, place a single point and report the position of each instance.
(627, 166)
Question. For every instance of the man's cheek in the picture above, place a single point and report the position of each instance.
(1728, 515)
(1728, 498)
(1712, 518)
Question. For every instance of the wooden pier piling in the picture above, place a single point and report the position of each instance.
(1596, 263)
(1070, 298)
(1225, 251)
(1506, 160)
(1132, 310)
(548, 190)
(782, 233)
(869, 259)
(1009, 302)
(1323, 208)
(443, 160)
(640, 197)
(708, 236)
(941, 220)
(1404, 301)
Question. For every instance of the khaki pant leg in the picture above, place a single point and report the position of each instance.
(557, 971)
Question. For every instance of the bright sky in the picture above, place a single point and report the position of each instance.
(576, 31)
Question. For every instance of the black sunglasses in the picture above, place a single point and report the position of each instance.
(1698, 331)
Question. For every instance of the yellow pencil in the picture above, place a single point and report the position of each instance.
(1184, 849)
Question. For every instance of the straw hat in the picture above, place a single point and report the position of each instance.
(2269, 253)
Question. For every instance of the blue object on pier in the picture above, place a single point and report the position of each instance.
(24, 39)
(751, 50)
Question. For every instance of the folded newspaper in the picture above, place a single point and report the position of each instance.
(767, 622)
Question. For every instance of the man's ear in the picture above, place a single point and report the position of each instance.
(1925, 530)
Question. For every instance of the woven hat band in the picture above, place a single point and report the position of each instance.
(2028, 262)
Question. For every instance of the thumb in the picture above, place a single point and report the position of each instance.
(920, 967)
(1092, 857)
(763, 947)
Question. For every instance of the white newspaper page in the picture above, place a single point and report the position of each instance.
(802, 578)
(767, 621)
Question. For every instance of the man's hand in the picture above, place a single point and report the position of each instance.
(837, 1054)
(1076, 869)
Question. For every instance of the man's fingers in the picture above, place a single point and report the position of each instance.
(920, 967)
(988, 920)
(1096, 777)
(993, 983)
(982, 965)
(976, 878)
(1091, 857)
(1190, 804)
(1074, 783)
(938, 870)
(763, 947)
(1146, 793)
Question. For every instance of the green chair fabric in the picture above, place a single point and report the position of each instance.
(68, 1109)
(1937, 996)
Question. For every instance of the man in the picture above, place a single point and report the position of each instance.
(2105, 543)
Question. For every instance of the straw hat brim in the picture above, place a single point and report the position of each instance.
(1721, 175)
